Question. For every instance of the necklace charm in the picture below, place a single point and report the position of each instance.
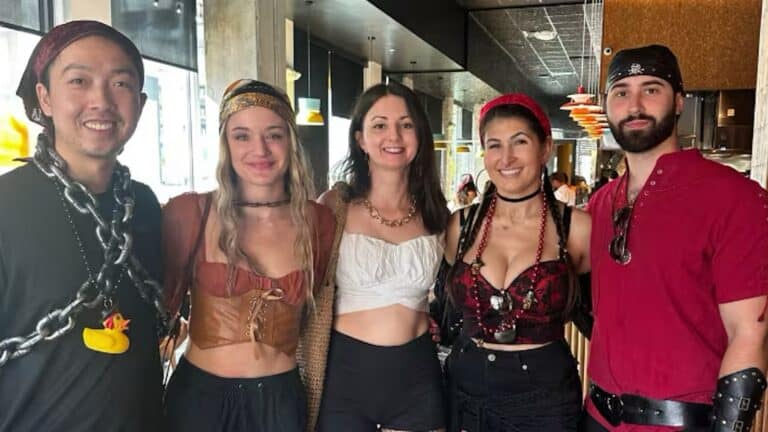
(111, 339)
(476, 265)
(529, 300)
(501, 302)
(506, 336)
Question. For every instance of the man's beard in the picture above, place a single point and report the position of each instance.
(639, 141)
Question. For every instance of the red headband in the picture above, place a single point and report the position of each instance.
(522, 100)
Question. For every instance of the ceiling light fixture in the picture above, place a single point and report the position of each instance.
(542, 35)
(310, 113)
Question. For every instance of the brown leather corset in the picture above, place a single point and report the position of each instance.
(259, 308)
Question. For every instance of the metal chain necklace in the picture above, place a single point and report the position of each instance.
(117, 244)
(108, 301)
(392, 223)
(501, 300)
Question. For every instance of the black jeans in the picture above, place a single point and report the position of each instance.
(494, 391)
(199, 401)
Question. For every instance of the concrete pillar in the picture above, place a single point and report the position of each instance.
(291, 75)
(371, 74)
(759, 171)
(244, 39)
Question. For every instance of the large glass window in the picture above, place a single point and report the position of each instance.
(24, 13)
(159, 153)
(173, 150)
(162, 29)
(16, 131)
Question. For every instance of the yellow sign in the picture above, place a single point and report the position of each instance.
(14, 139)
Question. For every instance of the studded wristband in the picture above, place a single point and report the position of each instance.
(737, 398)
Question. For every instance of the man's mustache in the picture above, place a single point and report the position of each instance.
(637, 117)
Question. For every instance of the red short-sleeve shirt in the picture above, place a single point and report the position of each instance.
(698, 237)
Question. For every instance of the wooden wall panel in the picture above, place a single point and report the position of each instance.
(716, 41)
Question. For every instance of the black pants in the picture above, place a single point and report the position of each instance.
(397, 387)
(502, 391)
(199, 401)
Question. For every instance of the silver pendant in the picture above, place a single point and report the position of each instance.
(507, 336)
(529, 300)
(501, 302)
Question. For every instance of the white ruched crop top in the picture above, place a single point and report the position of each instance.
(373, 273)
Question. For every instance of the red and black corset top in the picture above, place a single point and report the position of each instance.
(543, 322)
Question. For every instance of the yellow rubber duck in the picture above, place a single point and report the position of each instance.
(110, 339)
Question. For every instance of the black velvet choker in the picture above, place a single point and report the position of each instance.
(517, 200)
(262, 204)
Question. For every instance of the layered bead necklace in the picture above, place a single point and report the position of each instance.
(501, 300)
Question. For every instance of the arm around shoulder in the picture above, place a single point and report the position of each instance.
(329, 199)
(578, 240)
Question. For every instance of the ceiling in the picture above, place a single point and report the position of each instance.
(502, 52)
(554, 67)
(490, 4)
(346, 25)
(466, 89)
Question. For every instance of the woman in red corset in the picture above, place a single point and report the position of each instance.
(513, 277)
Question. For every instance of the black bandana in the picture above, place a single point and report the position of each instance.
(654, 60)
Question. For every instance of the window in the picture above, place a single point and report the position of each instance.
(26, 14)
(15, 49)
(160, 151)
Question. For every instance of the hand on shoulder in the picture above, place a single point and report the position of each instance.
(329, 199)
(578, 239)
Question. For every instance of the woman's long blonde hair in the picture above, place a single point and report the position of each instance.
(298, 186)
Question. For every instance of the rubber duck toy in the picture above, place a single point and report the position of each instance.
(111, 339)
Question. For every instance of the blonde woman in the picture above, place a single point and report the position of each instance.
(251, 254)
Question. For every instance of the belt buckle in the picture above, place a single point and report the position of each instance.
(615, 407)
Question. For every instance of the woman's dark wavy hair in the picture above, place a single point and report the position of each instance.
(522, 113)
(423, 179)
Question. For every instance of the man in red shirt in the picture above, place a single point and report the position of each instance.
(679, 270)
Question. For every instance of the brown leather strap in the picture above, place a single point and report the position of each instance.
(312, 354)
(189, 267)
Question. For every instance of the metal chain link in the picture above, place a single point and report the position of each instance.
(117, 245)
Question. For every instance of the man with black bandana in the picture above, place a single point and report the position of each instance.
(679, 270)
(80, 308)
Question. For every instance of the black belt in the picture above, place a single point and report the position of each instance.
(634, 409)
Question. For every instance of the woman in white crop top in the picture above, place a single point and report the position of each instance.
(382, 364)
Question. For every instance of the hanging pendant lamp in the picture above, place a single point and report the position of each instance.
(310, 113)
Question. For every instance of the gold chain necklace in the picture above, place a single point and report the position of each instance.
(392, 223)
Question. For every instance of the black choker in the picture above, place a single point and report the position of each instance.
(261, 204)
(517, 200)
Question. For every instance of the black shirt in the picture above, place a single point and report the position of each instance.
(61, 385)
